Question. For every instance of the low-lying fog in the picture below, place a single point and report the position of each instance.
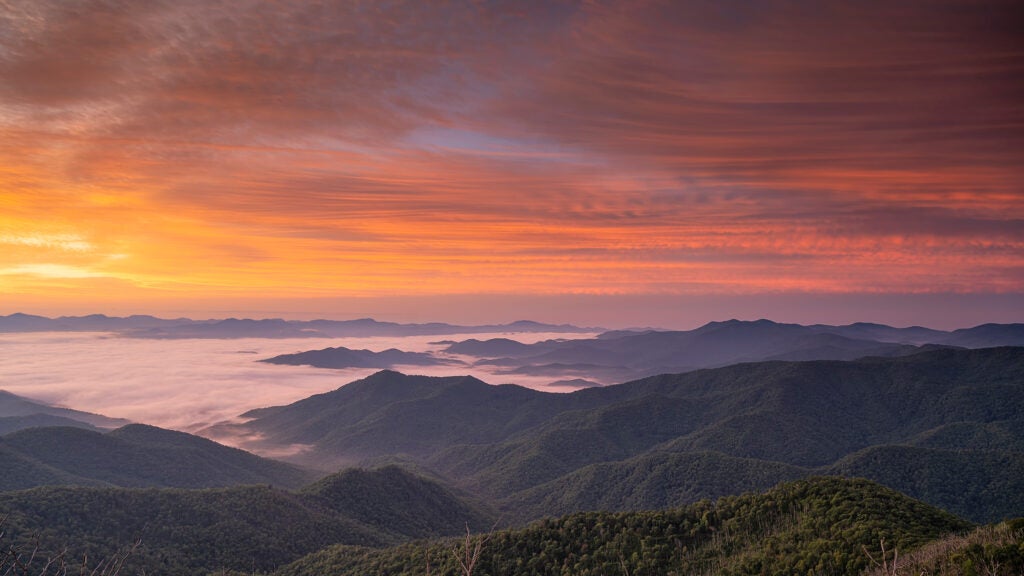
(189, 384)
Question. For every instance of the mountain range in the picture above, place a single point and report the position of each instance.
(142, 326)
(815, 526)
(839, 439)
(621, 355)
(667, 439)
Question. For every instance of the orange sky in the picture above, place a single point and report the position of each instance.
(188, 156)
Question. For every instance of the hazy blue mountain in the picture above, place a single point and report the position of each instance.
(341, 357)
(987, 335)
(370, 327)
(916, 335)
(627, 354)
(160, 328)
(139, 456)
(230, 328)
(624, 355)
(492, 347)
(12, 405)
(574, 383)
(19, 322)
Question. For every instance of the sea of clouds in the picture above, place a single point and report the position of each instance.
(192, 383)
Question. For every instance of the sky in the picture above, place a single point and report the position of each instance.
(608, 163)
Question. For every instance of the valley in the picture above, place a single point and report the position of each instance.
(726, 469)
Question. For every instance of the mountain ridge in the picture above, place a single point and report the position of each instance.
(144, 326)
(243, 529)
(136, 456)
(505, 440)
(14, 406)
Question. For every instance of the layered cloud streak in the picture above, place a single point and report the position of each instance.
(366, 148)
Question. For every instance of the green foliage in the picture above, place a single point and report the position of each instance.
(815, 526)
(652, 481)
(978, 485)
(240, 528)
(397, 502)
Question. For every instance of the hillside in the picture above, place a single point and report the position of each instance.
(981, 485)
(397, 502)
(773, 417)
(18, 412)
(390, 413)
(819, 526)
(248, 528)
(135, 456)
(995, 550)
(341, 357)
(651, 481)
(10, 424)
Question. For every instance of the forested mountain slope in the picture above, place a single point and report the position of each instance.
(816, 526)
(243, 528)
(769, 418)
(135, 456)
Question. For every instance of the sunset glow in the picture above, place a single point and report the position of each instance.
(155, 153)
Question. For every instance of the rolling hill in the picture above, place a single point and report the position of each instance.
(815, 526)
(18, 412)
(769, 418)
(243, 528)
(134, 456)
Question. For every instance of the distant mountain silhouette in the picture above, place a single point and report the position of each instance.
(19, 322)
(31, 413)
(573, 383)
(916, 335)
(622, 355)
(341, 357)
(151, 327)
(986, 336)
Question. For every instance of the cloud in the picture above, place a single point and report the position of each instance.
(439, 147)
(49, 271)
(183, 384)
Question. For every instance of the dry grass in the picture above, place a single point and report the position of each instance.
(996, 550)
